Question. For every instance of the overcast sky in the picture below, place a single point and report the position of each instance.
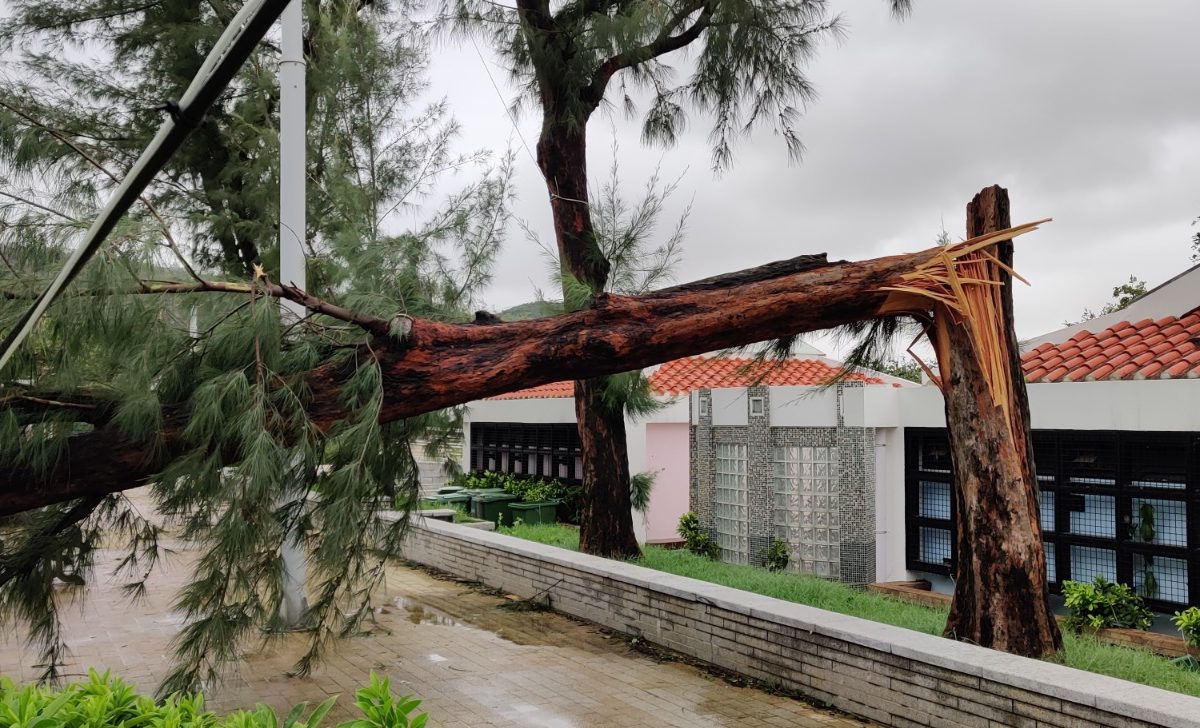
(1088, 111)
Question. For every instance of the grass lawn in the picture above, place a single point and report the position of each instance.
(1080, 651)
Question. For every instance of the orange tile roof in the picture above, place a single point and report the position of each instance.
(1168, 348)
(553, 390)
(697, 372)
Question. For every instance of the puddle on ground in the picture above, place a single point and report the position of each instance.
(424, 614)
(519, 627)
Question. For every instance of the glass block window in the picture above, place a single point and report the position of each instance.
(731, 504)
(806, 507)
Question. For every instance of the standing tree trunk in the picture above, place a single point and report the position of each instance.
(606, 519)
(1001, 596)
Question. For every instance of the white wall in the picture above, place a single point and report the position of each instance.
(730, 407)
(803, 406)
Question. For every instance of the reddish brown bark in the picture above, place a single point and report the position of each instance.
(606, 522)
(439, 364)
(1001, 597)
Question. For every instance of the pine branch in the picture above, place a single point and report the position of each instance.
(663, 44)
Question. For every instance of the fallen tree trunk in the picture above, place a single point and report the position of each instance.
(437, 365)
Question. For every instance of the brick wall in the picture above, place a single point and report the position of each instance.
(891, 675)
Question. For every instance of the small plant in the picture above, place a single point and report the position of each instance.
(1188, 622)
(1104, 604)
(103, 700)
(775, 557)
(1144, 530)
(695, 538)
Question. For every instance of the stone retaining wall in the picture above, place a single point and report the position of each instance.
(894, 676)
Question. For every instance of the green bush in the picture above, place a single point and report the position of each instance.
(695, 538)
(102, 701)
(1188, 622)
(775, 557)
(1104, 604)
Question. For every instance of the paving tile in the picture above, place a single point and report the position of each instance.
(473, 663)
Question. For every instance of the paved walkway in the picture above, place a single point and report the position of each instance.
(473, 663)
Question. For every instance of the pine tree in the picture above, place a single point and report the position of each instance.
(172, 335)
(746, 68)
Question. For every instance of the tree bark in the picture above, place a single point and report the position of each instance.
(1001, 597)
(606, 520)
(438, 365)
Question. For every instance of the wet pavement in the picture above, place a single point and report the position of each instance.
(473, 662)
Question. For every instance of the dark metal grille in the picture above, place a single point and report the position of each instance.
(1123, 505)
(535, 450)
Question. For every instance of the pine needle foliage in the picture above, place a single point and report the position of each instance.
(172, 323)
(740, 63)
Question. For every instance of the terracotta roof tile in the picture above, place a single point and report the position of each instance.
(1178, 369)
(1168, 348)
(684, 375)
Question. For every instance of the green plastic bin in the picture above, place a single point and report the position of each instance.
(494, 508)
(455, 499)
(447, 490)
(535, 513)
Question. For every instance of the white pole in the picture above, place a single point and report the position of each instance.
(291, 258)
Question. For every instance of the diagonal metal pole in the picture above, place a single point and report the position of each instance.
(232, 49)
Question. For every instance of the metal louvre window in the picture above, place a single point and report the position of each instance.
(536, 450)
(1122, 505)
(732, 522)
(929, 501)
(807, 514)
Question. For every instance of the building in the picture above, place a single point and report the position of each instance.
(1115, 407)
(532, 431)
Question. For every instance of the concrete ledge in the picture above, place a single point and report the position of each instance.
(884, 673)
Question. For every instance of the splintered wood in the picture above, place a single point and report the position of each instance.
(963, 286)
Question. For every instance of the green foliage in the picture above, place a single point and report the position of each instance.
(1188, 622)
(118, 356)
(1083, 652)
(776, 556)
(529, 490)
(1144, 530)
(746, 64)
(696, 539)
(103, 700)
(1122, 295)
(640, 486)
(903, 368)
(1104, 604)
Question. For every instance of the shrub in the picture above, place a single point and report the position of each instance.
(696, 539)
(103, 700)
(775, 557)
(1188, 622)
(1104, 604)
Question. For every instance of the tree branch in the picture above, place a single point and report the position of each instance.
(439, 365)
(665, 43)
